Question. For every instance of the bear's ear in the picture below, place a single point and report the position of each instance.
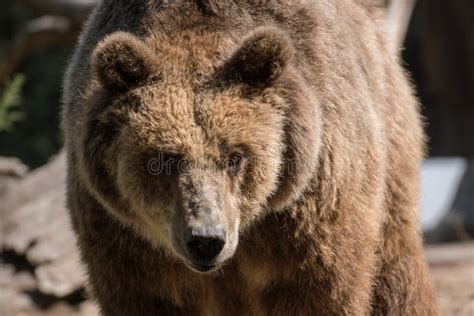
(122, 61)
(261, 58)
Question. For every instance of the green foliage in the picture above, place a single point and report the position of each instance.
(10, 99)
(37, 137)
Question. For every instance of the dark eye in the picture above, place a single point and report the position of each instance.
(233, 163)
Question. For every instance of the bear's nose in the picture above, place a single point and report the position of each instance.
(204, 247)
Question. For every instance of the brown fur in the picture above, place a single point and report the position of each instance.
(320, 212)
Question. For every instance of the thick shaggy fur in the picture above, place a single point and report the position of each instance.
(321, 218)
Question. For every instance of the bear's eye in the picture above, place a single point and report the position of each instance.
(233, 163)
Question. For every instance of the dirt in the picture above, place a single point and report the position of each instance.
(452, 272)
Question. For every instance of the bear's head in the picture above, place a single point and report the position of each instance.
(191, 148)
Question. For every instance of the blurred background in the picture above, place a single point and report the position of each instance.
(39, 270)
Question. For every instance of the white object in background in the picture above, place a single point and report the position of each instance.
(440, 180)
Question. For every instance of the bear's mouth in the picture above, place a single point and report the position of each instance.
(203, 266)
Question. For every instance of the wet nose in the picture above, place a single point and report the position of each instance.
(205, 247)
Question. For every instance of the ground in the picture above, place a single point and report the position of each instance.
(452, 270)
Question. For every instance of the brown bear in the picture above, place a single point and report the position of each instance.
(244, 158)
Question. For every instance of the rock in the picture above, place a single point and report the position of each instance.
(36, 233)
(13, 285)
(12, 168)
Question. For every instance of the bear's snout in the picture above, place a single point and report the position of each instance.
(204, 245)
(204, 225)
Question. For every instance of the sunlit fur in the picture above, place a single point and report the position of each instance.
(321, 216)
